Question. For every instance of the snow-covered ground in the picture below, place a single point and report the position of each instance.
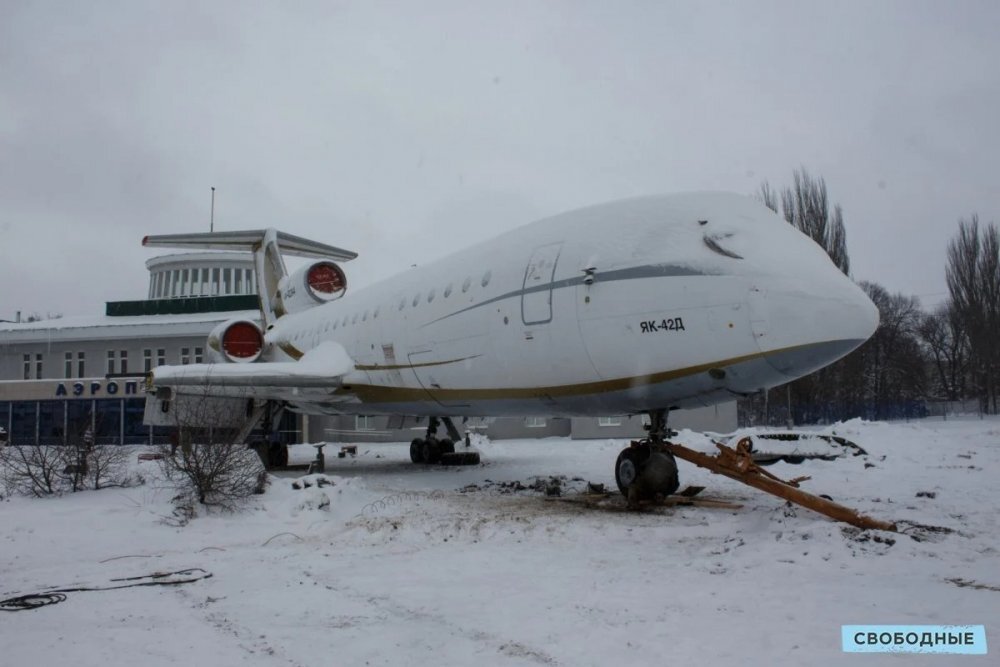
(404, 568)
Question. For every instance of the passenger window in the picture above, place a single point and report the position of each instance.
(430, 296)
(447, 291)
(466, 284)
(486, 278)
(416, 300)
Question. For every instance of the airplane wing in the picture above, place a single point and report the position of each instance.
(320, 370)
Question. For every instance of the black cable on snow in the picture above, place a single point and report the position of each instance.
(36, 600)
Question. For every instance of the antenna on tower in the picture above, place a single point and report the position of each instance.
(211, 222)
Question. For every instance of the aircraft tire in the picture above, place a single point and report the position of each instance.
(653, 472)
(628, 466)
(460, 459)
(417, 450)
(431, 451)
(659, 475)
(447, 446)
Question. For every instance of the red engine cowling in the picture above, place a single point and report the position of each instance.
(236, 341)
(312, 285)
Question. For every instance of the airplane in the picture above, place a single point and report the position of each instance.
(638, 306)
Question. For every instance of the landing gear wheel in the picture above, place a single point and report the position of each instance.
(628, 465)
(447, 446)
(417, 450)
(431, 451)
(460, 459)
(646, 471)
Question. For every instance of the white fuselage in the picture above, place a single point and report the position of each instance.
(637, 305)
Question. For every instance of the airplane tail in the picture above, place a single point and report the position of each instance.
(267, 246)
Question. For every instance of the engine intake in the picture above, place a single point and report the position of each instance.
(236, 341)
(312, 285)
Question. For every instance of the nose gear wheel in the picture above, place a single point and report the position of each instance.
(645, 471)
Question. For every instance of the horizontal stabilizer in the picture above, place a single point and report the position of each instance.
(249, 240)
(267, 246)
(322, 368)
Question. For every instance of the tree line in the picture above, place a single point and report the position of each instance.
(917, 357)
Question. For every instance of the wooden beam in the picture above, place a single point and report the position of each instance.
(738, 464)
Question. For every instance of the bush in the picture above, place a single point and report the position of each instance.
(47, 470)
(32, 470)
(219, 475)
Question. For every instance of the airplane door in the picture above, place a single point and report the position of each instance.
(536, 294)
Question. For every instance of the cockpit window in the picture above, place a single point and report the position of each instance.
(713, 244)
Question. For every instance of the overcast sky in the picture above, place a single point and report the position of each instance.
(408, 130)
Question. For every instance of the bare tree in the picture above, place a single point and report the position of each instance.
(32, 470)
(894, 363)
(210, 466)
(806, 206)
(948, 352)
(107, 467)
(973, 276)
(836, 241)
(767, 196)
(44, 470)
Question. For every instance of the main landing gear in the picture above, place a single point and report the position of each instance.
(273, 454)
(646, 470)
(430, 449)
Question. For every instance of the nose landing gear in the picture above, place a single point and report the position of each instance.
(646, 470)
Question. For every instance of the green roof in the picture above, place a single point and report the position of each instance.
(185, 306)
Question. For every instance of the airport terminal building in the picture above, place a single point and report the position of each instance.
(61, 377)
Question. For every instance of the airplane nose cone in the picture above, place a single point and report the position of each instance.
(867, 316)
(803, 327)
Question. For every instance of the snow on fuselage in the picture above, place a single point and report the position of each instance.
(654, 302)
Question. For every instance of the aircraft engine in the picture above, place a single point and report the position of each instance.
(236, 341)
(312, 285)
